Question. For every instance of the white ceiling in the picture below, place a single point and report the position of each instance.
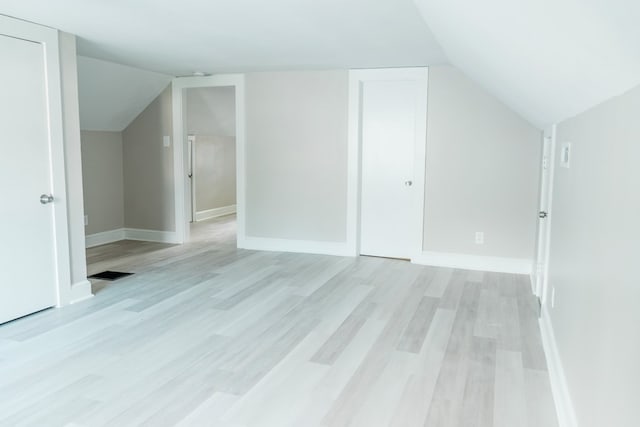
(546, 59)
(112, 95)
(179, 37)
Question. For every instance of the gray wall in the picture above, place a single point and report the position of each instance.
(215, 172)
(211, 111)
(102, 176)
(296, 155)
(482, 171)
(148, 168)
(211, 117)
(594, 250)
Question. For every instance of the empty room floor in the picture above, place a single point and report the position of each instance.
(208, 335)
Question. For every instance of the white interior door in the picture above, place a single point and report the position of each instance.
(27, 253)
(544, 220)
(393, 127)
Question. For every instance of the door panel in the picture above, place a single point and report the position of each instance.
(388, 148)
(27, 262)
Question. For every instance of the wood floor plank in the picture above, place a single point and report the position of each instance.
(208, 334)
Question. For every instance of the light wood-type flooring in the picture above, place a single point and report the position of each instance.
(207, 335)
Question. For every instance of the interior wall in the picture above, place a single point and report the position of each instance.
(215, 171)
(148, 168)
(211, 111)
(594, 246)
(102, 176)
(296, 155)
(80, 287)
(482, 171)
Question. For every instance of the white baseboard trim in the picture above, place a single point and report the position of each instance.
(80, 291)
(559, 387)
(151, 235)
(111, 236)
(474, 262)
(104, 237)
(300, 246)
(214, 213)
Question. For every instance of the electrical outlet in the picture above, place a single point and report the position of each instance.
(166, 141)
(479, 237)
(86, 220)
(553, 297)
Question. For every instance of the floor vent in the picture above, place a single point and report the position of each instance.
(110, 275)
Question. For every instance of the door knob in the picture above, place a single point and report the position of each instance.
(46, 198)
(408, 183)
(542, 214)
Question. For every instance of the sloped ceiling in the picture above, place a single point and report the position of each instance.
(546, 59)
(112, 95)
(215, 36)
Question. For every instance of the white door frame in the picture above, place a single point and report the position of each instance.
(49, 38)
(191, 153)
(180, 136)
(354, 179)
(544, 236)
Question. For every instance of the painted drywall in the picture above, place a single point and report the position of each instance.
(594, 249)
(296, 155)
(148, 168)
(112, 95)
(546, 59)
(211, 117)
(215, 172)
(211, 111)
(482, 171)
(237, 36)
(102, 177)
(80, 287)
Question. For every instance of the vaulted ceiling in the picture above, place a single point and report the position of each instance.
(546, 59)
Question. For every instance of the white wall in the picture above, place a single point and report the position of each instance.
(595, 232)
(482, 171)
(80, 286)
(102, 177)
(296, 155)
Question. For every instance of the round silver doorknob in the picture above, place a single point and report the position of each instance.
(46, 198)
(408, 183)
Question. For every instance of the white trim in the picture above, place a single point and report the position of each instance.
(215, 212)
(299, 246)
(179, 137)
(559, 387)
(151, 235)
(547, 240)
(49, 39)
(354, 182)
(112, 236)
(474, 262)
(80, 291)
(104, 237)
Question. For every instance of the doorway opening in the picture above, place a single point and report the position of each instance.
(210, 120)
(208, 128)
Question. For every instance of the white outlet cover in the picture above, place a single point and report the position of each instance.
(166, 141)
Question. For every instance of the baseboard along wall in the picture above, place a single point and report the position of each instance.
(475, 262)
(216, 212)
(111, 236)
